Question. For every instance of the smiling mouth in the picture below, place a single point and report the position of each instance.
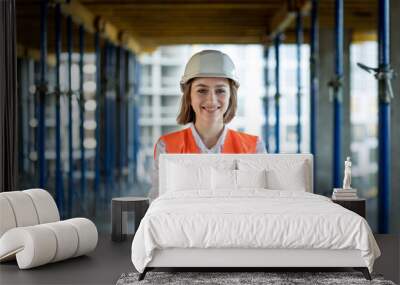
(211, 109)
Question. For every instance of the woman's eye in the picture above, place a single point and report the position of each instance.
(202, 91)
(221, 91)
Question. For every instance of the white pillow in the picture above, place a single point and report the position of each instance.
(292, 179)
(223, 179)
(282, 173)
(187, 177)
(226, 179)
(251, 178)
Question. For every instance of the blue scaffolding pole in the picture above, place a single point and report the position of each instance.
(82, 115)
(42, 93)
(131, 124)
(29, 74)
(336, 85)
(59, 177)
(118, 98)
(97, 113)
(128, 91)
(314, 82)
(112, 104)
(107, 119)
(385, 74)
(23, 155)
(299, 42)
(106, 115)
(277, 43)
(70, 134)
(122, 108)
(266, 98)
(136, 115)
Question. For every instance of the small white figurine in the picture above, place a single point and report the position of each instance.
(347, 174)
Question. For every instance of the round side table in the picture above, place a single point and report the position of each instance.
(119, 208)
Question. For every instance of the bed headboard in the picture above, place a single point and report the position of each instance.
(280, 162)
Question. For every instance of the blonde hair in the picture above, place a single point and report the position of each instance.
(187, 114)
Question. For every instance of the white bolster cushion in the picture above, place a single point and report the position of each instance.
(46, 208)
(23, 208)
(87, 235)
(37, 245)
(33, 246)
(7, 218)
(66, 238)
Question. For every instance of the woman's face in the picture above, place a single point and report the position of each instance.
(210, 98)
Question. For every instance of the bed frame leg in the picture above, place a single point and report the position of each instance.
(143, 274)
(364, 271)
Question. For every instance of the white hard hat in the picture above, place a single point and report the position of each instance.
(209, 63)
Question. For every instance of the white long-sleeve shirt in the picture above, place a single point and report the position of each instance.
(217, 148)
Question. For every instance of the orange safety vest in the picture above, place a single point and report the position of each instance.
(183, 142)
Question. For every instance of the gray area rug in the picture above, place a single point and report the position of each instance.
(228, 278)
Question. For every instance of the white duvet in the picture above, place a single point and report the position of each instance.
(253, 218)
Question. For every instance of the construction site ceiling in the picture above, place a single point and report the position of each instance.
(143, 25)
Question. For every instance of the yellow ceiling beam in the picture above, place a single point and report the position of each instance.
(366, 36)
(146, 5)
(24, 52)
(176, 40)
(82, 16)
(285, 16)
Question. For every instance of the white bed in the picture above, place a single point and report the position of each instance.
(233, 215)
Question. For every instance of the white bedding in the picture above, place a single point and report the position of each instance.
(251, 218)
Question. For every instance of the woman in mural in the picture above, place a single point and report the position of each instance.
(209, 102)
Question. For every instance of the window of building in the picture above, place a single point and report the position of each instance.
(364, 125)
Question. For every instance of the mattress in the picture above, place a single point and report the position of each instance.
(250, 219)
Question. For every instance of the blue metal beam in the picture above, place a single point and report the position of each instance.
(97, 114)
(133, 71)
(109, 128)
(107, 116)
(136, 114)
(314, 29)
(23, 66)
(112, 98)
(122, 108)
(82, 114)
(59, 177)
(126, 109)
(31, 110)
(337, 94)
(266, 98)
(131, 124)
(384, 149)
(70, 133)
(42, 93)
(117, 105)
(313, 77)
(277, 42)
(299, 42)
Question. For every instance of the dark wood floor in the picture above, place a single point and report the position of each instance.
(103, 266)
(110, 260)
